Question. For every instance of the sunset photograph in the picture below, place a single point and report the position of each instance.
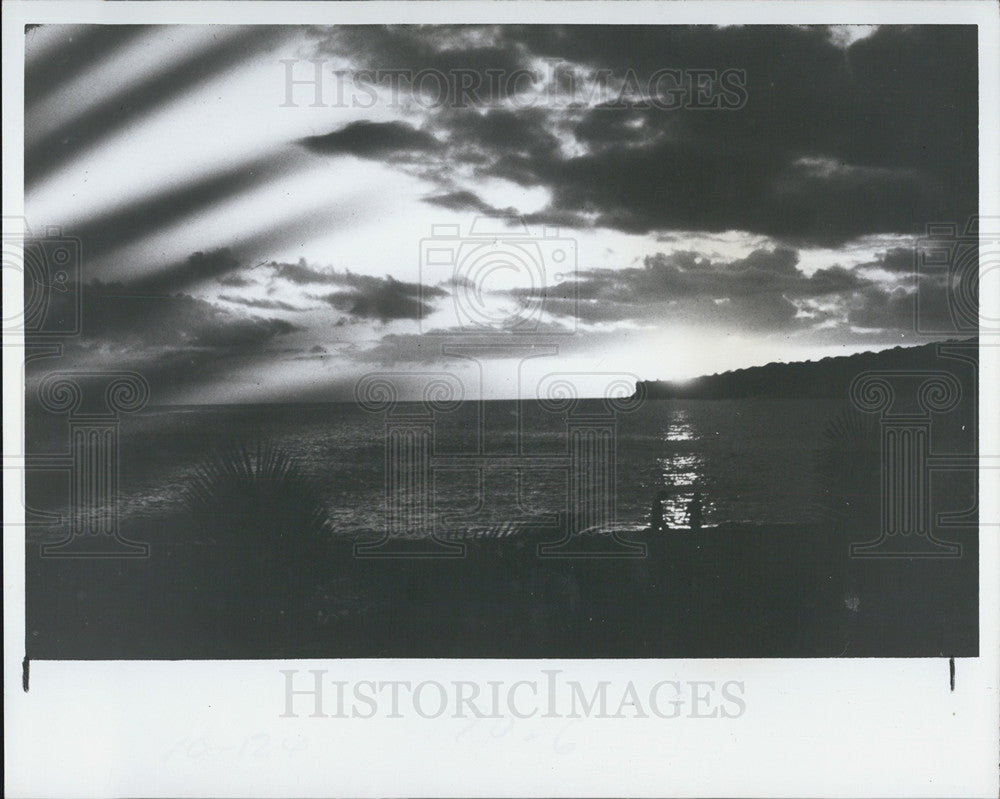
(501, 340)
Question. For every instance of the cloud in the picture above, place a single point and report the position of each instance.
(115, 316)
(834, 140)
(899, 260)
(470, 201)
(372, 140)
(685, 274)
(301, 273)
(526, 132)
(197, 267)
(395, 349)
(618, 127)
(428, 49)
(463, 201)
(384, 299)
(174, 340)
(260, 303)
(235, 281)
(923, 307)
(840, 137)
(766, 290)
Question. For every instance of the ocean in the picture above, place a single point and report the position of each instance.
(786, 486)
(493, 463)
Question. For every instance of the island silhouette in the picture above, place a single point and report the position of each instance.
(827, 378)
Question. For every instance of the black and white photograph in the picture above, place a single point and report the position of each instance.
(394, 338)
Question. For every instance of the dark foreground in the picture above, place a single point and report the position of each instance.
(733, 592)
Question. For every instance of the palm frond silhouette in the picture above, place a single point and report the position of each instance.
(255, 494)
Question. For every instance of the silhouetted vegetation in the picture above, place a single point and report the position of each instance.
(828, 378)
(246, 497)
(267, 546)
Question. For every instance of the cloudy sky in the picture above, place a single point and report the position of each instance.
(662, 201)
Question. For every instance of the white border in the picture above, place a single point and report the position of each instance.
(812, 727)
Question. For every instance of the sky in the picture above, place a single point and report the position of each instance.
(268, 214)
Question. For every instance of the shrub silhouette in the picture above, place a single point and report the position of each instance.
(267, 530)
(257, 490)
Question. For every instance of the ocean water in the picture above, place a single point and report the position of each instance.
(493, 464)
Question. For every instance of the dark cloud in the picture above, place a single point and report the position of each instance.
(115, 315)
(897, 259)
(394, 349)
(363, 296)
(383, 299)
(234, 280)
(527, 132)
(766, 291)
(240, 334)
(195, 268)
(372, 140)
(302, 273)
(688, 274)
(619, 127)
(924, 306)
(692, 184)
(899, 98)
(831, 144)
(832, 280)
(761, 291)
(429, 49)
(881, 309)
(468, 201)
(460, 201)
(229, 263)
(173, 341)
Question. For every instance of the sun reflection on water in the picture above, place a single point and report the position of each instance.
(679, 428)
(682, 473)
